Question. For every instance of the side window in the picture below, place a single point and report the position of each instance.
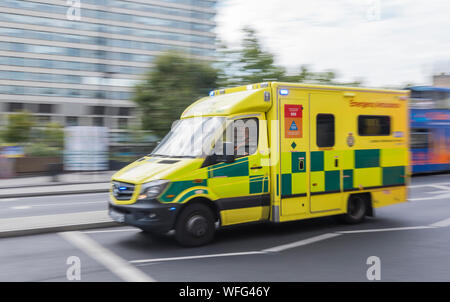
(420, 138)
(245, 136)
(374, 125)
(325, 130)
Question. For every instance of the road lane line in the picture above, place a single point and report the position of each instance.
(21, 208)
(441, 224)
(120, 267)
(436, 185)
(197, 257)
(385, 230)
(442, 196)
(301, 242)
(8, 199)
(284, 247)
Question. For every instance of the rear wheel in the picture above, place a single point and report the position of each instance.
(195, 226)
(356, 209)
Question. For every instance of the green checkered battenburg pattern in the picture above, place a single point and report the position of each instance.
(360, 169)
(256, 184)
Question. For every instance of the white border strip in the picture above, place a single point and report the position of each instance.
(197, 257)
(300, 243)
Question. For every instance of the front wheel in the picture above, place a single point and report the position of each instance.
(356, 210)
(195, 226)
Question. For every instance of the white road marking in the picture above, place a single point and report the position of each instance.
(442, 185)
(442, 196)
(300, 243)
(120, 267)
(438, 192)
(8, 199)
(197, 257)
(441, 224)
(386, 230)
(111, 231)
(21, 208)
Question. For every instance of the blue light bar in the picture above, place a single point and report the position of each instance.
(172, 209)
(122, 188)
(211, 93)
(284, 91)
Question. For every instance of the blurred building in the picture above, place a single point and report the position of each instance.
(442, 80)
(77, 66)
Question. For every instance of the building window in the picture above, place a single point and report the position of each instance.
(15, 107)
(124, 111)
(98, 110)
(374, 125)
(71, 121)
(45, 108)
(99, 121)
(325, 130)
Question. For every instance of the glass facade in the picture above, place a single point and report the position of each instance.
(94, 56)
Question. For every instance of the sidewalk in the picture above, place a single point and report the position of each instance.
(68, 183)
(22, 226)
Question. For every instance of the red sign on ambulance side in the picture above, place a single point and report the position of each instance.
(293, 121)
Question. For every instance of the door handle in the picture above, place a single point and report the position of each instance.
(336, 162)
(256, 168)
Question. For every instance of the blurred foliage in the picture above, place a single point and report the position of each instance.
(41, 150)
(172, 84)
(53, 136)
(251, 64)
(37, 141)
(175, 80)
(18, 129)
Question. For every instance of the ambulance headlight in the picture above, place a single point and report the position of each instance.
(152, 189)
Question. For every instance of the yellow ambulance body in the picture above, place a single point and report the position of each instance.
(317, 151)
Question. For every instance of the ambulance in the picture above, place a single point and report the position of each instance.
(269, 152)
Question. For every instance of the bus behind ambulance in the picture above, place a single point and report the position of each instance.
(269, 152)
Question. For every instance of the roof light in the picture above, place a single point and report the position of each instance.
(211, 93)
(284, 91)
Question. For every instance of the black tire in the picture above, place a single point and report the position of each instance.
(195, 226)
(357, 208)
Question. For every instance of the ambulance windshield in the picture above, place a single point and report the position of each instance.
(191, 137)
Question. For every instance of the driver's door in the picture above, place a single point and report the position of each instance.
(242, 186)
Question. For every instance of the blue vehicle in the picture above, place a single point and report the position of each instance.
(430, 129)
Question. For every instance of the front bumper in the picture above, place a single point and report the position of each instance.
(149, 215)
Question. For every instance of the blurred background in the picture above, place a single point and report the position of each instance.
(91, 85)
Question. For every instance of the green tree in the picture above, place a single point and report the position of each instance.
(171, 85)
(53, 135)
(250, 64)
(18, 128)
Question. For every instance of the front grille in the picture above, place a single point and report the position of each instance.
(122, 190)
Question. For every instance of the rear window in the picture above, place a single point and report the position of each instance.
(374, 125)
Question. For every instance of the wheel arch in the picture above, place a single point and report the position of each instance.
(205, 201)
